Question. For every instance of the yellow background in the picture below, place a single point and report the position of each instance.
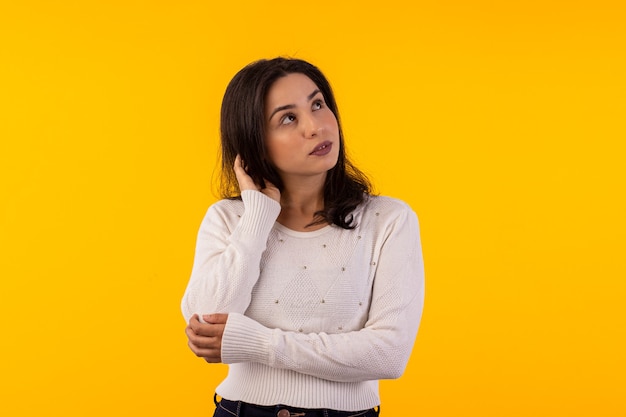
(502, 123)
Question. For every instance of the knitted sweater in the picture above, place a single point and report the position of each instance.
(315, 318)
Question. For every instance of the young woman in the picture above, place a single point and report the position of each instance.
(306, 284)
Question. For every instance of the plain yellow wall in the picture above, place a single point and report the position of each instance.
(501, 123)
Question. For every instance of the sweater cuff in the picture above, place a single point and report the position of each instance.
(260, 213)
(245, 340)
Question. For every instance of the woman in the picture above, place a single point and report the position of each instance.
(308, 286)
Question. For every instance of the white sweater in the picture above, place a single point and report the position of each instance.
(315, 318)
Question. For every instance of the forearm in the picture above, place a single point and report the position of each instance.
(378, 351)
(228, 255)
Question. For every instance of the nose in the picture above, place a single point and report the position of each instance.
(311, 126)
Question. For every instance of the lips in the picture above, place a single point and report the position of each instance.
(322, 148)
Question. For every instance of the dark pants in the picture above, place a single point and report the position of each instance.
(226, 408)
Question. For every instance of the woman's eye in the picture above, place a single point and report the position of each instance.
(318, 104)
(288, 118)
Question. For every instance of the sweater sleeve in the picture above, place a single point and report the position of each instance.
(380, 350)
(228, 254)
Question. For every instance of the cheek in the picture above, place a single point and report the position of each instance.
(276, 149)
(331, 122)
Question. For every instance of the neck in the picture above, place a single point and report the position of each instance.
(300, 200)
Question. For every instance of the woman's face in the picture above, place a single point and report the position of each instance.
(301, 134)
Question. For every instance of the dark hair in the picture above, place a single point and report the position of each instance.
(243, 132)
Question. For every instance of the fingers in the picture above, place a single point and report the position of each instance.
(247, 183)
(271, 191)
(215, 318)
(210, 355)
(208, 329)
(239, 165)
(203, 346)
(268, 184)
(244, 180)
(205, 339)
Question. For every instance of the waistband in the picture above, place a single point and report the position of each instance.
(240, 408)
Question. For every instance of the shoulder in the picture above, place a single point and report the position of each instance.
(227, 204)
(385, 213)
(253, 205)
(387, 207)
(385, 218)
(226, 211)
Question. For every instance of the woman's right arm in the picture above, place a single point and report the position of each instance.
(228, 255)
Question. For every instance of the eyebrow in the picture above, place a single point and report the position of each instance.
(291, 106)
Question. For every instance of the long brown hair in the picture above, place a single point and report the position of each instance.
(242, 132)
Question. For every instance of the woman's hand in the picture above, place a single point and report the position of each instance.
(205, 339)
(246, 182)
